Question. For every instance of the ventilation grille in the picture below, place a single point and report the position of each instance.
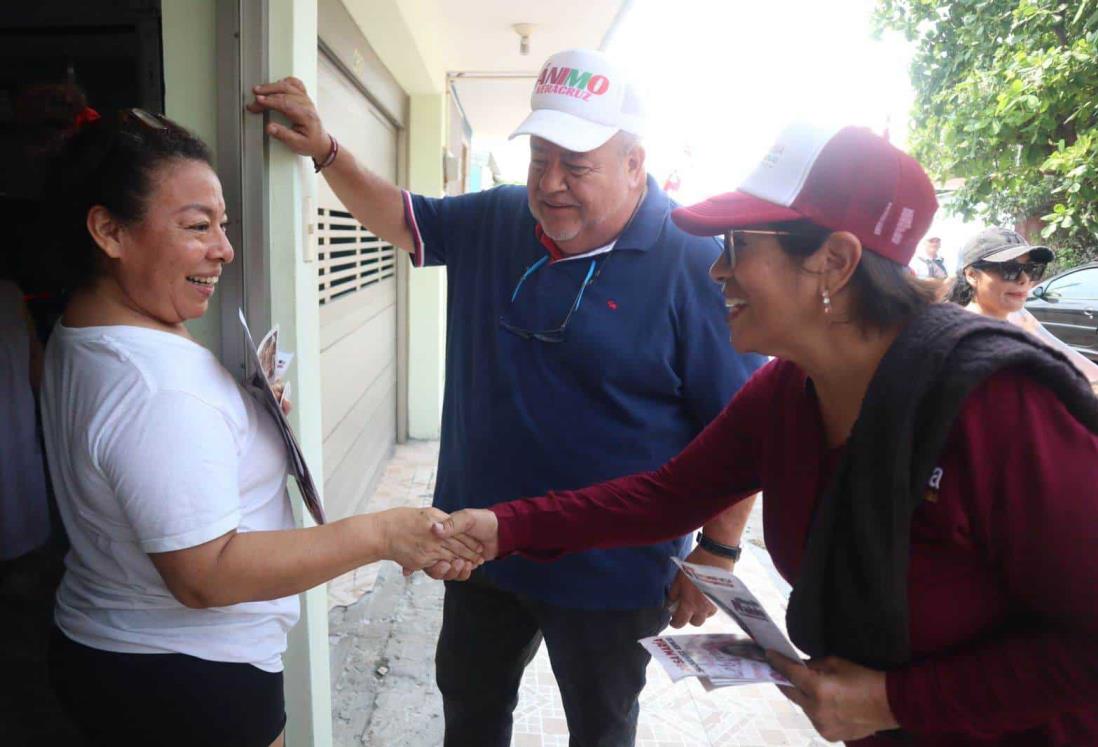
(349, 258)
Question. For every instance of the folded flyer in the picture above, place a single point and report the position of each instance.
(722, 660)
(264, 367)
(719, 660)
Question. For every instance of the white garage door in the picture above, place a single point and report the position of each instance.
(358, 319)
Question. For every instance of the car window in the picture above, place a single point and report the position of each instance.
(1077, 286)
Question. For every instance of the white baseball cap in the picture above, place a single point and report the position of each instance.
(581, 99)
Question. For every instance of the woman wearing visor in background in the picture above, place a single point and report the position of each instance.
(930, 476)
(998, 269)
(180, 586)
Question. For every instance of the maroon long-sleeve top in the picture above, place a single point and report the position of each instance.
(1003, 579)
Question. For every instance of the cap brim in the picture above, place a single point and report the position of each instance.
(1036, 253)
(729, 211)
(566, 130)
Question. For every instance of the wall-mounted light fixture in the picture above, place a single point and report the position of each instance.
(524, 30)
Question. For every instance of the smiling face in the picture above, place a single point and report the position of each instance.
(996, 297)
(772, 302)
(167, 264)
(583, 200)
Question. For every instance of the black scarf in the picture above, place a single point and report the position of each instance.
(850, 599)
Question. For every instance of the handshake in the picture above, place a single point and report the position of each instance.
(446, 547)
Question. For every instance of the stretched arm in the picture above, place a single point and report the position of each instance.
(254, 566)
(718, 468)
(174, 469)
(643, 509)
(375, 202)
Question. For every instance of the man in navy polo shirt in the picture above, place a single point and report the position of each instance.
(585, 341)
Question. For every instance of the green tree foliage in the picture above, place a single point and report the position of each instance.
(1007, 99)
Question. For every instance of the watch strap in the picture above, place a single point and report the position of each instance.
(732, 552)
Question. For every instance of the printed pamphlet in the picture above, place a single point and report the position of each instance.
(722, 660)
(264, 368)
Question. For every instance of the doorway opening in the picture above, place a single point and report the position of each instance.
(58, 60)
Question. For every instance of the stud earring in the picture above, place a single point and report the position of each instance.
(826, 300)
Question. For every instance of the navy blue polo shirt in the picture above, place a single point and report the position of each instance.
(644, 365)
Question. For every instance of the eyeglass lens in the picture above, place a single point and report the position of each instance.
(1010, 271)
(729, 249)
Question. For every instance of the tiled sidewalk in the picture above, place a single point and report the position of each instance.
(672, 715)
(680, 714)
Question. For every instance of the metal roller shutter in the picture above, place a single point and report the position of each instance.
(358, 294)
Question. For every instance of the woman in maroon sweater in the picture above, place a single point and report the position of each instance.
(989, 635)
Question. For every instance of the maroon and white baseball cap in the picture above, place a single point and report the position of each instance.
(846, 179)
(581, 99)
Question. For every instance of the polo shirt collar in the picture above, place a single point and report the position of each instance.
(642, 232)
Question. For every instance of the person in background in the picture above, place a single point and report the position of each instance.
(931, 476)
(929, 264)
(24, 511)
(997, 270)
(179, 589)
(584, 341)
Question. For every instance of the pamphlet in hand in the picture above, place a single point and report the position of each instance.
(718, 660)
(724, 660)
(264, 367)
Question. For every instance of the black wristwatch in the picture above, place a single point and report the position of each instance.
(732, 552)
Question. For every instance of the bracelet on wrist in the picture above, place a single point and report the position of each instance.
(732, 552)
(329, 159)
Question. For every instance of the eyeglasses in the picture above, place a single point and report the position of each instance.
(557, 333)
(1010, 271)
(730, 241)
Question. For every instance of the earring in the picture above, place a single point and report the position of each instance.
(826, 300)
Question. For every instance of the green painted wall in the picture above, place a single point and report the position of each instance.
(427, 285)
(292, 50)
(190, 85)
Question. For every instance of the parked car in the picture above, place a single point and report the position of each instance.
(1067, 304)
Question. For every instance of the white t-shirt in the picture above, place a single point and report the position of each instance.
(154, 447)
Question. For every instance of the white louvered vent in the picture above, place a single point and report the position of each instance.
(349, 257)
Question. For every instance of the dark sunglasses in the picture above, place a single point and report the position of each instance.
(1010, 271)
(730, 241)
(555, 334)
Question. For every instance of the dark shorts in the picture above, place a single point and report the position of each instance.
(165, 699)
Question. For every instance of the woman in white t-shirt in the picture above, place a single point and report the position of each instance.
(180, 586)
